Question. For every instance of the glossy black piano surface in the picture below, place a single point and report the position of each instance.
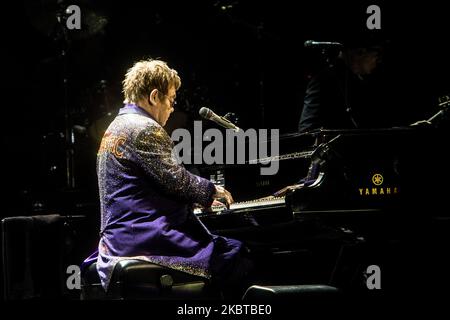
(367, 196)
(349, 175)
(350, 169)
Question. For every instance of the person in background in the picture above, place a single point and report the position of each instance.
(351, 92)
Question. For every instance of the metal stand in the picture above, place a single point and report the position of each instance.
(69, 136)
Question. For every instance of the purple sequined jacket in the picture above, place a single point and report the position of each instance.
(145, 197)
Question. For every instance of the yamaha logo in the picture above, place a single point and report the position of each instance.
(376, 189)
(377, 179)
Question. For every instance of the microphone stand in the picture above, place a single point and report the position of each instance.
(260, 39)
(69, 136)
(344, 82)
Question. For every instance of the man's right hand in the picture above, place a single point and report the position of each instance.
(222, 194)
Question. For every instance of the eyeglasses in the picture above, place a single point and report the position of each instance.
(173, 102)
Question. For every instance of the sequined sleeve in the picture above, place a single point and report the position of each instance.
(154, 151)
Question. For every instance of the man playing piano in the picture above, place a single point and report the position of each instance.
(146, 196)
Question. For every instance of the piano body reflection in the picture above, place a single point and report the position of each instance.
(356, 189)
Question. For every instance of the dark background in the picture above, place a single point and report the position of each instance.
(245, 57)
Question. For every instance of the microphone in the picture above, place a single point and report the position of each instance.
(221, 121)
(321, 44)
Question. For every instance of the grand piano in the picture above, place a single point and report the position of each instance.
(341, 201)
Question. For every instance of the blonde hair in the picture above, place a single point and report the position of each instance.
(146, 75)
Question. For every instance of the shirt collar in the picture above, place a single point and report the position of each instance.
(131, 108)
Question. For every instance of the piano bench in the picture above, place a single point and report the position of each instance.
(288, 292)
(141, 280)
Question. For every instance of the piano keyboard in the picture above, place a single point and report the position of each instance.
(251, 204)
(263, 202)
